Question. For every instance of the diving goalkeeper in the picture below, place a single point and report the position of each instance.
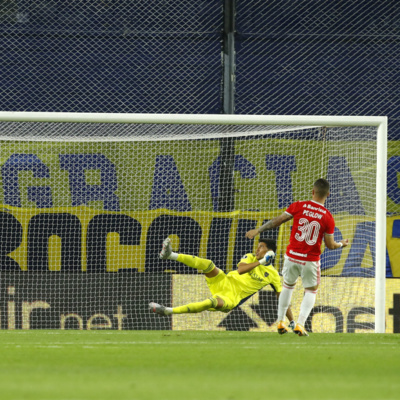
(228, 290)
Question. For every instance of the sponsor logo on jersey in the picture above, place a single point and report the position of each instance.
(296, 261)
(316, 208)
(297, 254)
(256, 277)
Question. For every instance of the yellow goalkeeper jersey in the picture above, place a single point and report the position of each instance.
(235, 289)
(257, 278)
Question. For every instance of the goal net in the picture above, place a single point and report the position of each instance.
(88, 199)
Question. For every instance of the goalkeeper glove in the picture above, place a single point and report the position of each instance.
(268, 258)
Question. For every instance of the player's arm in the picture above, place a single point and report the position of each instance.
(271, 224)
(331, 243)
(244, 267)
(267, 259)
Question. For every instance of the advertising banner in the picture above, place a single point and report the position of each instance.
(119, 301)
(80, 239)
(56, 300)
(342, 305)
(393, 244)
(107, 206)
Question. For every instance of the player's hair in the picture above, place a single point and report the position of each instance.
(321, 187)
(270, 243)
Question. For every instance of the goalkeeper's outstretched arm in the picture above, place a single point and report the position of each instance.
(271, 224)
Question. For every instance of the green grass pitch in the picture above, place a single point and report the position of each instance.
(141, 365)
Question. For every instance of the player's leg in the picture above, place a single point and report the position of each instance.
(290, 272)
(289, 313)
(202, 264)
(191, 308)
(201, 306)
(283, 306)
(214, 276)
(276, 284)
(311, 278)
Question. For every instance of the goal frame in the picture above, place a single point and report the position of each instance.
(380, 122)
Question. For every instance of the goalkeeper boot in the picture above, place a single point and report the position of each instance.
(159, 309)
(299, 330)
(166, 249)
(282, 328)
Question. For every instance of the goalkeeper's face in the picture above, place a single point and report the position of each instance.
(261, 250)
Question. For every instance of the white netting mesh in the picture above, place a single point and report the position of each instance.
(111, 56)
(107, 132)
(86, 207)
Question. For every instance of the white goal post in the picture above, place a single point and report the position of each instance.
(260, 125)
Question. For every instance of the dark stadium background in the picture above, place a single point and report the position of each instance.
(292, 57)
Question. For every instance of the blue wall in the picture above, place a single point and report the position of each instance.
(319, 57)
(293, 57)
(111, 56)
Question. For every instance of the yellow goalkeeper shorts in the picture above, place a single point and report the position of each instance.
(221, 287)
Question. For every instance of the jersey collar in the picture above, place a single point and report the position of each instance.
(317, 203)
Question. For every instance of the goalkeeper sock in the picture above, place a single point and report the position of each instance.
(284, 301)
(306, 305)
(173, 256)
(196, 307)
(195, 262)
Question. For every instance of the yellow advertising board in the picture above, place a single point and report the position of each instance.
(54, 239)
(342, 305)
(393, 245)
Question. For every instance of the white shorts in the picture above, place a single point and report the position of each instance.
(310, 272)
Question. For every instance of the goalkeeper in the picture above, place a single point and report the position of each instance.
(232, 289)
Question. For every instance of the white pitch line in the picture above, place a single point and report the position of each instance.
(180, 343)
